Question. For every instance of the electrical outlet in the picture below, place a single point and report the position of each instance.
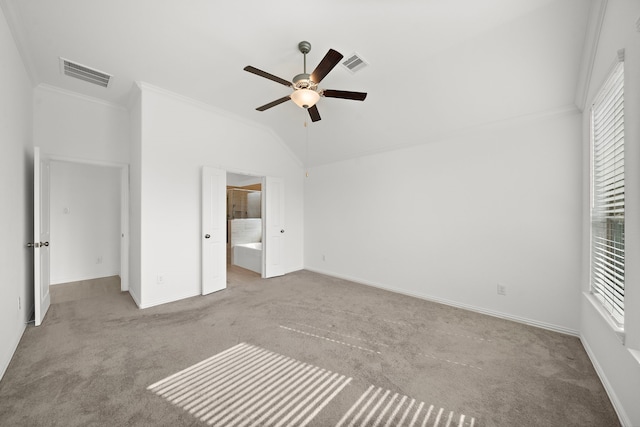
(99, 260)
(160, 279)
(502, 289)
(323, 257)
(19, 304)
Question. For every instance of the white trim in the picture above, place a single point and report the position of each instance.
(134, 297)
(11, 351)
(523, 320)
(590, 49)
(125, 230)
(224, 113)
(619, 58)
(617, 330)
(56, 89)
(88, 161)
(613, 397)
(64, 280)
(169, 300)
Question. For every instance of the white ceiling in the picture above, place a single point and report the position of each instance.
(436, 66)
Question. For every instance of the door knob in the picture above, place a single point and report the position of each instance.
(206, 236)
(44, 244)
(29, 245)
(282, 231)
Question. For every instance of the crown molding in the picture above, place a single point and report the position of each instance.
(54, 89)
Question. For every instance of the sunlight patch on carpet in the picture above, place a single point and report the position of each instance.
(249, 386)
(378, 407)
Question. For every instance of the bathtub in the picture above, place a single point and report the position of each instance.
(249, 256)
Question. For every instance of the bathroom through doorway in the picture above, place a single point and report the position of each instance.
(244, 222)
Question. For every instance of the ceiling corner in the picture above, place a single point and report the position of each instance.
(14, 21)
(589, 50)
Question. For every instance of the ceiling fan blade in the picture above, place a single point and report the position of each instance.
(314, 113)
(329, 61)
(266, 75)
(274, 103)
(344, 94)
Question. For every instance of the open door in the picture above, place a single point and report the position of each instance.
(124, 229)
(273, 207)
(214, 230)
(41, 232)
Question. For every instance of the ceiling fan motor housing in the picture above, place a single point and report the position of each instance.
(303, 81)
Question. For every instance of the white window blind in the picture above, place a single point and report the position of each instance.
(607, 191)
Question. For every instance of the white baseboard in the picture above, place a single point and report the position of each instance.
(12, 347)
(613, 397)
(135, 297)
(62, 280)
(166, 300)
(524, 320)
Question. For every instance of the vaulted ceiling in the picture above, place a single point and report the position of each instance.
(435, 66)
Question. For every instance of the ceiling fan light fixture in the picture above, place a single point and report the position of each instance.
(305, 98)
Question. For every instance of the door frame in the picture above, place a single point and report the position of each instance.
(264, 211)
(124, 209)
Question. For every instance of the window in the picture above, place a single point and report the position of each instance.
(607, 194)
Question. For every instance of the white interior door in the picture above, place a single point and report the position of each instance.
(273, 209)
(124, 229)
(214, 230)
(41, 233)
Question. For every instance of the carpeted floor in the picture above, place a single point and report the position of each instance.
(303, 349)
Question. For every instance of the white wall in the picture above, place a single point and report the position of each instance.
(16, 195)
(179, 137)
(618, 368)
(449, 221)
(79, 127)
(85, 222)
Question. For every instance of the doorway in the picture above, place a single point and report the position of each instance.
(89, 217)
(214, 227)
(42, 223)
(244, 222)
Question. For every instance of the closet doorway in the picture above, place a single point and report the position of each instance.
(61, 189)
(89, 216)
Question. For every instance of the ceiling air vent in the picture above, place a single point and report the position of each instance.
(354, 62)
(82, 72)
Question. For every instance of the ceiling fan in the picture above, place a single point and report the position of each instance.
(306, 92)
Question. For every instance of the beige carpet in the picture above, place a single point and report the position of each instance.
(303, 349)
